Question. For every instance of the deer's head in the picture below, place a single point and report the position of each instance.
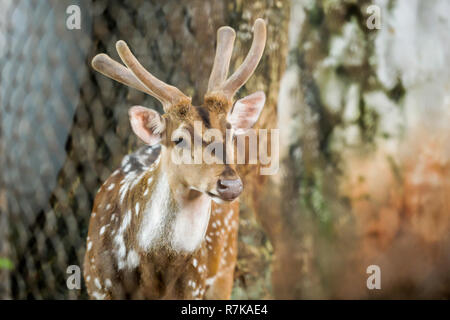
(186, 129)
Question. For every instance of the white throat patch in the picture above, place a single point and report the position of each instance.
(183, 229)
(190, 225)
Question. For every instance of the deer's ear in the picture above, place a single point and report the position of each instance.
(147, 124)
(246, 112)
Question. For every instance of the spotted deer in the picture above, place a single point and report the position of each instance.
(166, 230)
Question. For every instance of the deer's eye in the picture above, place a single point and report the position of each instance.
(179, 141)
(182, 142)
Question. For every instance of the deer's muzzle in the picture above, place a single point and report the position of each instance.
(229, 189)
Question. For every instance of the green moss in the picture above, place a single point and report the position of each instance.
(315, 15)
(6, 264)
(368, 122)
(313, 199)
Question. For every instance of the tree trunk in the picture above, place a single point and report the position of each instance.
(349, 108)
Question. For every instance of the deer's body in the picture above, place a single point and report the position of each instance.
(164, 226)
(157, 266)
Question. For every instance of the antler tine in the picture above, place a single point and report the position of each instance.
(167, 94)
(243, 73)
(114, 70)
(225, 43)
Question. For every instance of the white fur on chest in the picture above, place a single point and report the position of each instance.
(190, 225)
(182, 227)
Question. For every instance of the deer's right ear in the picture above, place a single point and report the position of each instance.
(147, 124)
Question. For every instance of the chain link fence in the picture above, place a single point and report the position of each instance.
(43, 71)
(64, 128)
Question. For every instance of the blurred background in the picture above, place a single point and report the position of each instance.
(359, 89)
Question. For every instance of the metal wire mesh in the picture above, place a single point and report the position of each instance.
(41, 75)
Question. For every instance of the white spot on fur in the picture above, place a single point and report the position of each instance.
(97, 283)
(194, 263)
(110, 187)
(133, 259)
(102, 230)
(119, 241)
(108, 283)
(196, 292)
(228, 216)
(125, 161)
(89, 246)
(127, 184)
(98, 295)
(137, 208)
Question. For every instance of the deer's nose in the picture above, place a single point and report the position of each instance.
(229, 189)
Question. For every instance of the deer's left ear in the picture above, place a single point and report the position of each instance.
(246, 112)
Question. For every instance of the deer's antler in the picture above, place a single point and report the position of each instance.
(135, 76)
(114, 70)
(218, 84)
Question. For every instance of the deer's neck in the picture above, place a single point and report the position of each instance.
(174, 217)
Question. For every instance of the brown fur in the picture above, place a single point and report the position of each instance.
(163, 274)
(217, 103)
(182, 110)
